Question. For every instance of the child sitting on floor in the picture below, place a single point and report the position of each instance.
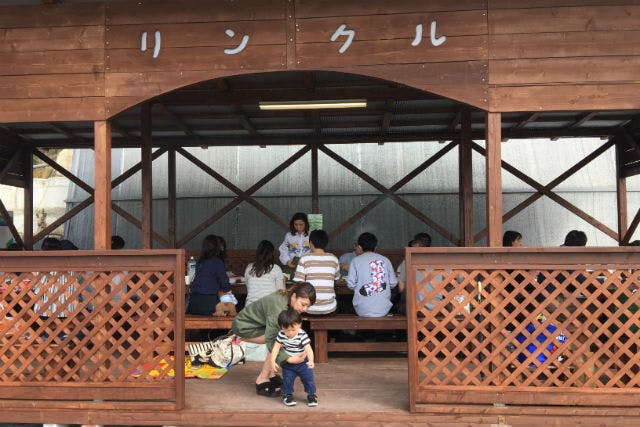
(295, 342)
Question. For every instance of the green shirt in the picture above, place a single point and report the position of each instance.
(261, 318)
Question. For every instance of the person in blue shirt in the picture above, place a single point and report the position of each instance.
(210, 277)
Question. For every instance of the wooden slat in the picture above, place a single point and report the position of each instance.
(62, 15)
(52, 62)
(41, 39)
(162, 11)
(146, 181)
(180, 35)
(393, 26)
(564, 44)
(53, 109)
(465, 180)
(582, 18)
(196, 58)
(462, 48)
(328, 8)
(530, 4)
(564, 70)
(567, 97)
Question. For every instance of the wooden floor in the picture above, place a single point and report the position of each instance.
(352, 391)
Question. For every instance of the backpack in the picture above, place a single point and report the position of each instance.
(223, 352)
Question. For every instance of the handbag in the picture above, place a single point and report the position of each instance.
(223, 352)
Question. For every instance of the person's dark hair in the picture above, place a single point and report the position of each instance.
(635, 243)
(509, 237)
(117, 242)
(51, 244)
(264, 260)
(289, 317)
(222, 247)
(68, 245)
(296, 217)
(15, 246)
(210, 248)
(575, 238)
(411, 243)
(423, 239)
(319, 238)
(368, 242)
(302, 290)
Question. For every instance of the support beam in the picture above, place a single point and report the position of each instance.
(171, 197)
(621, 191)
(315, 202)
(494, 180)
(465, 180)
(102, 185)
(27, 233)
(147, 183)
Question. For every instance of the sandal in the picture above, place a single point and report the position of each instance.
(276, 380)
(268, 389)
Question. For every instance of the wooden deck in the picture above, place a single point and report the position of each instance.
(352, 391)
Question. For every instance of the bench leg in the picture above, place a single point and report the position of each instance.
(320, 344)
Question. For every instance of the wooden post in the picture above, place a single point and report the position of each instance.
(621, 190)
(102, 185)
(171, 197)
(27, 235)
(315, 203)
(147, 183)
(465, 180)
(494, 180)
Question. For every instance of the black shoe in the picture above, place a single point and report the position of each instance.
(312, 400)
(288, 400)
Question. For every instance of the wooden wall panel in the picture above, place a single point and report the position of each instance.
(52, 62)
(318, 8)
(565, 97)
(182, 11)
(559, 55)
(560, 45)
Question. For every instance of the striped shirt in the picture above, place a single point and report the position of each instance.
(293, 345)
(321, 270)
(64, 303)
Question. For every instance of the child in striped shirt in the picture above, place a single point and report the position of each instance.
(296, 343)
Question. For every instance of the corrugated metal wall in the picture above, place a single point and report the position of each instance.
(434, 192)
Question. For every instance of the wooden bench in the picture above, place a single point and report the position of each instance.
(321, 325)
(193, 322)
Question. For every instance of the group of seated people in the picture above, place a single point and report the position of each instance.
(304, 258)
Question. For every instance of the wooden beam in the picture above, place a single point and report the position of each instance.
(70, 135)
(62, 171)
(315, 198)
(183, 127)
(138, 224)
(531, 118)
(102, 182)
(621, 199)
(388, 192)
(64, 218)
(545, 190)
(242, 195)
(27, 233)
(147, 183)
(465, 180)
(171, 197)
(494, 179)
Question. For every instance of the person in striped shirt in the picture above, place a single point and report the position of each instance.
(321, 269)
(295, 341)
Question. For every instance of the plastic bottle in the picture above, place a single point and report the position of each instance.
(191, 267)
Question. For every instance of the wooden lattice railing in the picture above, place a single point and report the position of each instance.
(92, 326)
(537, 327)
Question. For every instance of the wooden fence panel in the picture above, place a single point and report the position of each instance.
(533, 326)
(92, 325)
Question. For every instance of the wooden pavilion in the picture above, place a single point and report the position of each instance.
(165, 75)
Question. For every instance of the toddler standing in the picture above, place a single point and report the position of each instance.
(295, 341)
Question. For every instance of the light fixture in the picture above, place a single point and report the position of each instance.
(313, 105)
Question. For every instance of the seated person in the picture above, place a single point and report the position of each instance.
(346, 258)
(371, 277)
